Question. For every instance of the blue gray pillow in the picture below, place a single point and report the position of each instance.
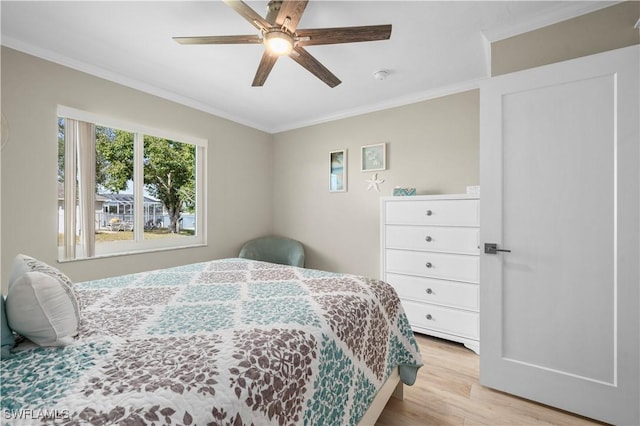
(8, 339)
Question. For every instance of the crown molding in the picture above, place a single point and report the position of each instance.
(562, 12)
(388, 104)
(123, 80)
(183, 100)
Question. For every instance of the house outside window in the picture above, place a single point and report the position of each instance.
(125, 188)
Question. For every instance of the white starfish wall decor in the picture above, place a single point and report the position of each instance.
(374, 182)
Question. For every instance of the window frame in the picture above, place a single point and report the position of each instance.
(138, 244)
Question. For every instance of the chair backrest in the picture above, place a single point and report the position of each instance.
(282, 250)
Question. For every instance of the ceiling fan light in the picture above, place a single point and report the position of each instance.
(278, 43)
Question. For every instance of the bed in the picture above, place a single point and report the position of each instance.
(225, 342)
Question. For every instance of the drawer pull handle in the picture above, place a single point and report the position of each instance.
(429, 213)
(429, 317)
(429, 265)
(428, 238)
(429, 291)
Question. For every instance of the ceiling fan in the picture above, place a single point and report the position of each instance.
(278, 32)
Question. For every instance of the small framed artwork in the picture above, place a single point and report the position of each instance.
(338, 171)
(373, 157)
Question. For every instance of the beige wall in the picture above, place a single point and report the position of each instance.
(607, 29)
(431, 145)
(239, 166)
(261, 183)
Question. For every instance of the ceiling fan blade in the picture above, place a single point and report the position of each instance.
(249, 14)
(292, 9)
(237, 39)
(266, 64)
(305, 59)
(343, 35)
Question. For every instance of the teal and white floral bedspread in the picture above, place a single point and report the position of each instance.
(226, 342)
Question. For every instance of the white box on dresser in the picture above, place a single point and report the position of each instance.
(430, 253)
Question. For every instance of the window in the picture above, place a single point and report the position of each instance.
(124, 188)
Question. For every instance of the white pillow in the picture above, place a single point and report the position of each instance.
(23, 263)
(43, 308)
(19, 267)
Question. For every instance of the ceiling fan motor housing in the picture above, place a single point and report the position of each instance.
(272, 10)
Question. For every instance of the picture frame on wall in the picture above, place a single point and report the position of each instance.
(373, 157)
(338, 171)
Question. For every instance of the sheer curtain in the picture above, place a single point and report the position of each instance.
(79, 189)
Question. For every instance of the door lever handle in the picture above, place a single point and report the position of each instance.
(492, 248)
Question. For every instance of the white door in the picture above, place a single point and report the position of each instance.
(559, 160)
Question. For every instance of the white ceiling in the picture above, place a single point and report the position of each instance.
(435, 47)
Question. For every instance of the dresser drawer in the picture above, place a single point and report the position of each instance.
(445, 320)
(439, 292)
(433, 212)
(433, 238)
(458, 267)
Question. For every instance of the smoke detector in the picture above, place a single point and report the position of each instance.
(380, 74)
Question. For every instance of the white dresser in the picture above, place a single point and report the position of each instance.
(431, 256)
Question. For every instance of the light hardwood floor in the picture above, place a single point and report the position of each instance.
(447, 392)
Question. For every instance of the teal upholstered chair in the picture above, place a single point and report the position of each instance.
(282, 250)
